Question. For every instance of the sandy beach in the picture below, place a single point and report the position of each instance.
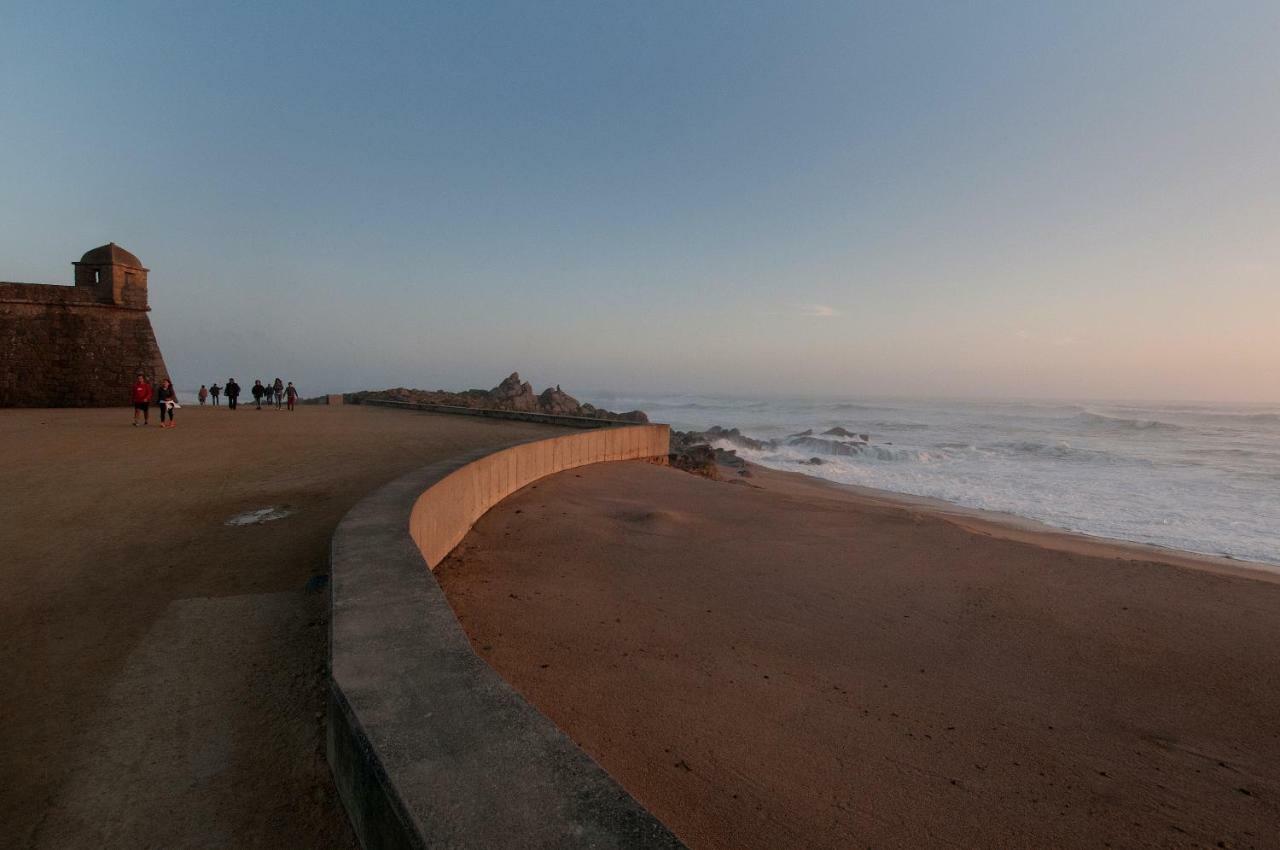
(165, 671)
(777, 662)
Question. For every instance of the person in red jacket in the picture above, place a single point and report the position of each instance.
(141, 400)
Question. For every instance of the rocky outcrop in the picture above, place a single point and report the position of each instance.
(851, 444)
(558, 401)
(839, 432)
(715, 433)
(514, 394)
(698, 460)
(510, 394)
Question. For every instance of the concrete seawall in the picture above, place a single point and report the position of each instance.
(428, 745)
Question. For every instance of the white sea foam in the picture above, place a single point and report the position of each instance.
(1204, 478)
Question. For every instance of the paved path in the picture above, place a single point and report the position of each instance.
(164, 671)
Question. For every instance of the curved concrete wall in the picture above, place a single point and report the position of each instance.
(445, 513)
(429, 746)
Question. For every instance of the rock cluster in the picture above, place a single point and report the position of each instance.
(693, 448)
(680, 439)
(698, 460)
(510, 394)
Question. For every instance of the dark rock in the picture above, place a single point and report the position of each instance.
(714, 433)
(680, 439)
(558, 402)
(729, 457)
(808, 432)
(737, 438)
(698, 460)
(513, 394)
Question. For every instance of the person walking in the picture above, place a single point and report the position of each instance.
(141, 400)
(233, 393)
(167, 400)
(291, 394)
(214, 389)
(277, 389)
(258, 390)
(203, 394)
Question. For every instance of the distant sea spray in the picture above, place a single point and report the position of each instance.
(1202, 478)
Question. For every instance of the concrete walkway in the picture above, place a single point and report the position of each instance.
(164, 669)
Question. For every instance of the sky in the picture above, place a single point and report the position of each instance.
(1071, 200)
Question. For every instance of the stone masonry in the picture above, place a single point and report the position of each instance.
(80, 345)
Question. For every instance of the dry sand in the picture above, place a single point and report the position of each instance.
(164, 672)
(780, 663)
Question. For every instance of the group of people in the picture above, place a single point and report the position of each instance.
(165, 397)
(277, 392)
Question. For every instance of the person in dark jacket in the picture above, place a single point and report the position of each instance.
(277, 392)
(258, 390)
(214, 390)
(233, 393)
(291, 393)
(167, 401)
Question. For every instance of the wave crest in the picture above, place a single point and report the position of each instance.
(1122, 423)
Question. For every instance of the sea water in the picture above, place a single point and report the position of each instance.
(1200, 477)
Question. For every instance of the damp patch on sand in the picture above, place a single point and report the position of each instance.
(261, 515)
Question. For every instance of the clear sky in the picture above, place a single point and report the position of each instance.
(1029, 199)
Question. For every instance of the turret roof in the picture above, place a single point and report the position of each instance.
(110, 254)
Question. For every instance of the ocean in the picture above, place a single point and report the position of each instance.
(1199, 477)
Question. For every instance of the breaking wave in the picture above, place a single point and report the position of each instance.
(1120, 422)
(1059, 450)
(1189, 477)
(1247, 418)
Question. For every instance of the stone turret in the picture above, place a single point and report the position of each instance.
(114, 275)
(81, 345)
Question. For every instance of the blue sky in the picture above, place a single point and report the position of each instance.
(961, 199)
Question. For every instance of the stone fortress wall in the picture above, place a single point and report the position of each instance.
(79, 345)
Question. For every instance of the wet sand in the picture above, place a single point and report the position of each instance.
(778, 662)
(164, 673)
